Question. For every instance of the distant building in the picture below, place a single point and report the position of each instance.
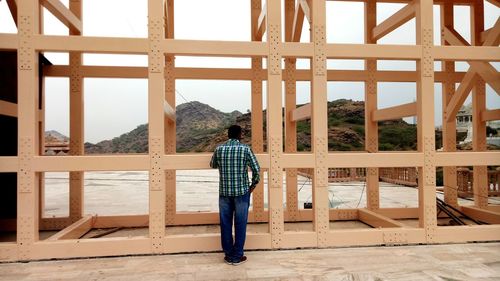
(464, 119)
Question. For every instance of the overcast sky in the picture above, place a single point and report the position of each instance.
(116, 106)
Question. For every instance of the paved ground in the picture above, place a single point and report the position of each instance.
(480, 261)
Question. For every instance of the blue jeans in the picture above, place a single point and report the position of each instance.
(237, 208)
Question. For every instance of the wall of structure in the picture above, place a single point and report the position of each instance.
(162, 161)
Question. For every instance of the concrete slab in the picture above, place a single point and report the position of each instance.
(474, 261)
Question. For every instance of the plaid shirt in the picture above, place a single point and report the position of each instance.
(232, 159)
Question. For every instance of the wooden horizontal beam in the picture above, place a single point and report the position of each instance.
(298, 160)
(398, 213)
(297, 50)
(121, 221)
(490, 115)
(13, 9)
(395, 112)
(481, 215)
(75, 230)
(301, 113)
(89, 44)
(468, 158)
(9, 164)
(8, 41)
(261, 24)
(63, 14)
(190, 161)
(214, 48)
(376, 220)
(140, 162)
(460, 53)
(8, 108)
(393, 22)
(375, 160)
(455, 2)
(240, 73)
(360, 51)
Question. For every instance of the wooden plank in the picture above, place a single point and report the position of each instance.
(482, 215)
(75, 230)
(465, 53)
(261, 24)
(298, 21)
(169, 111)
(13, 9)
(305, 8)
(379, 159)
(377, 220)
(460, 95)
(393, 22)
(395, 112)
(91, 163)
(89, 44)
(8, 41)
(63, 14)
(121, 221)
(490, 115)
(359, 51)
(495, 2)
(468, 158)
(214, 48)
(8, 108)
(301, 113)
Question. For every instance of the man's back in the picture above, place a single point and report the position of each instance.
(232, 159)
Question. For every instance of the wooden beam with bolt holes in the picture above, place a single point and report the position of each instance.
(301, 113)
(393, 22)
(63, 14)
(75, 230)
(395, 112)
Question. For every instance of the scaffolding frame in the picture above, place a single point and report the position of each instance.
(162, 160)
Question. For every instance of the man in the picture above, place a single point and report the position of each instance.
(233, 159)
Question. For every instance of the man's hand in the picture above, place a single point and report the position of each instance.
(252, 187)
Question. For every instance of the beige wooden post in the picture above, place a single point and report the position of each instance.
(27, 61)
(256, 115)
(425, 111)
(156, 94)
(371, 126)
(290, 126)
(274, 123)
(170, 125)
(449, 128)
(76, 126)
(480, 185)
(319, 124)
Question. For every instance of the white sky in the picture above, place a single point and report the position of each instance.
(116, 106)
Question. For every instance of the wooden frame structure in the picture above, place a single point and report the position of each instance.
(162, 161)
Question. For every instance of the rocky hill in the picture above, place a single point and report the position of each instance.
(196, 123)
(200, 128)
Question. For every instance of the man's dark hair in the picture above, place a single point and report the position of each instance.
(234, 132)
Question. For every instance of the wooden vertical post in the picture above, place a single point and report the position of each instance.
(371, 126)
(256, 115)
(480, 173)
(170, 126)
(425, 111)
(27, 63)
(274, 123)
(319, 124)
(76, 127)
(449, 128)
(156, 94)
(290, 126)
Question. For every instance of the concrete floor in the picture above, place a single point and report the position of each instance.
(474, 261)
